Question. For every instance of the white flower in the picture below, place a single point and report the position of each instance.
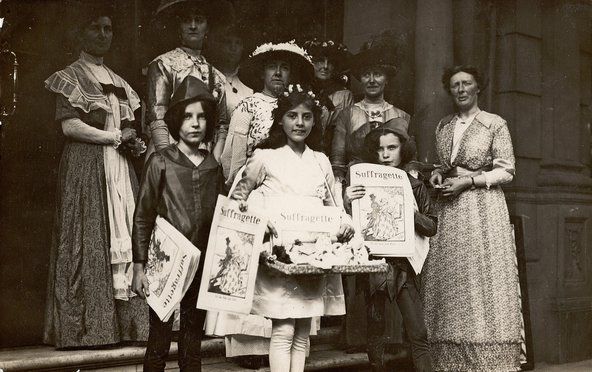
(299, 88)
(331, 43)
(290, 88)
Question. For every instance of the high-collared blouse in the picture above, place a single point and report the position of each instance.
(184, 194)
(281, 172)
(165, 73)
(485, 147)
(250, 124)
(351, 127)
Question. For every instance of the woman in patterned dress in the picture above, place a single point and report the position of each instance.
(269, 70)
(89, 298)
(471, 301)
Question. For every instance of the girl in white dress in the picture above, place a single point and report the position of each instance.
(285, 165)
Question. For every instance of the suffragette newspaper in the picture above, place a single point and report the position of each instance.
(384, 216)
(232, 258)
(170, 269)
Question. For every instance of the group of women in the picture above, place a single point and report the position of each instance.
(295, 137)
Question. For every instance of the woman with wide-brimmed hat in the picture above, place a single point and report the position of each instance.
(374, 66)
(329, 60)
(190, 20)
(268, 71)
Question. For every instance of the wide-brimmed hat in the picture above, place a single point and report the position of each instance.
(397, 126)
(301, 68)
(380, 52)
(335, 52)
(191, 89)
(215, 11)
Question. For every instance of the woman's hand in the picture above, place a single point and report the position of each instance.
(345, 233)
(454, 186)
(436, 179)
(128, 134)
(353, 192)
(140, 282)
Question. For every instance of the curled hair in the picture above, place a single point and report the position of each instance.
(408, 147)
(277, 137)
(177, 115)
(471, 70)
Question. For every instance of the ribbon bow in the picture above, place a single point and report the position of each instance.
(110, 88)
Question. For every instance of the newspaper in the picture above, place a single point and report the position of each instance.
(384, 216)
(232, 259)
(305, 229)
(170, 269)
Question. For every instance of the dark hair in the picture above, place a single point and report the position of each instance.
(408, 148)
(451, 71)
(177, 116)
(277, 137)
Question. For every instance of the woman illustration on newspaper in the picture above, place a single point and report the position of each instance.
(286, 164)
(229, 279)
(180, 183)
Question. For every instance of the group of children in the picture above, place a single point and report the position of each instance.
(181, 183)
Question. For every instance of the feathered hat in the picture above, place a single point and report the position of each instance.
(382, 51)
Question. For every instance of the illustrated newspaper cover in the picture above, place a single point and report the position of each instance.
(170, 269)
(384, 216)
(232, 258)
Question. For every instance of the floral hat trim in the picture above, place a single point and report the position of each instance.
(297, 89)
(328, 44)
(289, 46)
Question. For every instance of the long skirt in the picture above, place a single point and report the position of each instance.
(80, 308)
(471, 301)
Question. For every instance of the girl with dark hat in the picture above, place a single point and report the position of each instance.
(329, 59)
(374, 67)
(391, 146)
(191, 20)
(269, 70)
(89, 297)
(174, 178)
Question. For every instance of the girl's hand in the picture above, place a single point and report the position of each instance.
(452, 187)
(140, 282)
(353, 192)
(436, 179)
(271, 229)
(345, 233)
(242, 205)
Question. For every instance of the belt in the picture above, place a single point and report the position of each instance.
(463, 172)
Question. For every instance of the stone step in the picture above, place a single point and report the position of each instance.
(46, 358)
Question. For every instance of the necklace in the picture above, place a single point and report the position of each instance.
(230, 78)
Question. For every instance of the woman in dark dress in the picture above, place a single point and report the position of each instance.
(89, 298)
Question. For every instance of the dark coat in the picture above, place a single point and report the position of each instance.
(185, 195)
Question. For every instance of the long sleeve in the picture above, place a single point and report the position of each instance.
(253, 176)
(425, 220)
(338, 151)
(73, 127)
(503, 158)
(160, 89)
(234, 155)
(146, 207)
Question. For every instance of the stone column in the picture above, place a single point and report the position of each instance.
(433, 52)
